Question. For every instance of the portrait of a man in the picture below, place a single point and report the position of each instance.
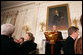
(55, 18)
(59, 16)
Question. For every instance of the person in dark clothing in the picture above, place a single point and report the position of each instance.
(57, 46)
(8, 46)
(28, 45)
(69, 42)
(12, 38)
(60, 33)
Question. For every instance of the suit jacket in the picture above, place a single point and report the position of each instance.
(60, 35)
(27, 47)
(8, 46)
(69, 46)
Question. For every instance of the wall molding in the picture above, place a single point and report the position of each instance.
(19, 5)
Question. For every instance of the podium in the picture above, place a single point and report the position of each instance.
(52, 37)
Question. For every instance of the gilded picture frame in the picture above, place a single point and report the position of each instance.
(58, 15)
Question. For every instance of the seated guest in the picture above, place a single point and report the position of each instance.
(69, 42)
(21, 40)
(8, 46)
(28, 45)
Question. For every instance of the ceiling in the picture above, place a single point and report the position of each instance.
(5, 4)
(11, 4)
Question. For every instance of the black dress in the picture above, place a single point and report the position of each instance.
(27, 47)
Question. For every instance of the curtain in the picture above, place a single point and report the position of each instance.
(8, 17)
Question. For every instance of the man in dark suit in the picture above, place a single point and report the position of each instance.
(56, 30)
(8, 46)
(69, 43)
(57, 46)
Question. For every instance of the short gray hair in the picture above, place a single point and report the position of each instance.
(7, 29)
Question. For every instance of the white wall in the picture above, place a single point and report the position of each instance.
(32, 15)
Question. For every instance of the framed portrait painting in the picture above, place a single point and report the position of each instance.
(58, 15)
